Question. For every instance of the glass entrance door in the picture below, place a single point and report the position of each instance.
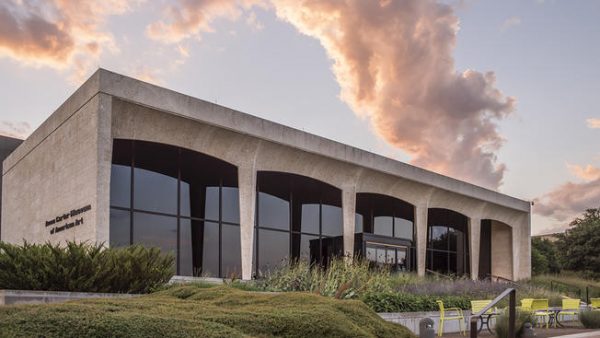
(393, 257)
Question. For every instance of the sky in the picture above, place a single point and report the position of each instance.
(502, 94)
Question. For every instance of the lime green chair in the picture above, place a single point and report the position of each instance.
(526, 303)
(458, 315)
(478, 305)
(570, 307)
(595, 303)
(540, 309)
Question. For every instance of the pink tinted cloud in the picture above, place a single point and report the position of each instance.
(569, 200)
(593, 123)
(393, 61)
(63, 34)
(190, 18)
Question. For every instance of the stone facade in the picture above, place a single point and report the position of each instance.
(65, 164)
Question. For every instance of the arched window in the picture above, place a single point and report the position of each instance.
(447, 242)
(297, 217)
(384, 228)
(181, 201)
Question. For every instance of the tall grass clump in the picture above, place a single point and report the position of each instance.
(83, 267)
(342, 278)
(590, 319)
(522, 317)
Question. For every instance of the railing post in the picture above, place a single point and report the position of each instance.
(587, 295)
(474, 329)
(512, 308)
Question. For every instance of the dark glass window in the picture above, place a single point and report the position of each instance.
(155, 231)
(305, 211)
(119, 227)
(388, 217)
(333, 224)
(403, 228)
(274, 211)
(384, 215)
(447, 247)
(273, 249)
(210, 249)
(155, 177)
(231, 204)
(231, 251)
(120, 185)
(205, 217)
(383, 225)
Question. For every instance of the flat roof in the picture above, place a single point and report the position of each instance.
(169, 101)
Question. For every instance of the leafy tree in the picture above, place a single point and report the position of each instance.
(539, 262)
(544, 257)
(580, 244)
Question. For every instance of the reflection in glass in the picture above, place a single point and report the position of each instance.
(447, 246)
(154, 191)
(208, 190)
(155, 231)
(119, 228)
(231, 204)
(358, 223)
(403, 228)
(120, 186)
(310, 218)
(383, 226)
(273, 212)
(332, 223)
(273, 249)
(231, 251)
(307, 210)
(210, 248)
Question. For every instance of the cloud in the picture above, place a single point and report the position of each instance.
(62, 34)
(190, 18)
(593, 123)
(509, 23)
(393, 61)
(19, 130)
(567, 201)
(588, 173)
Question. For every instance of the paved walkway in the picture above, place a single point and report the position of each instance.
(568, 332)
(592, 334)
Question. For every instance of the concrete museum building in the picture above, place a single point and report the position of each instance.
(229, 194)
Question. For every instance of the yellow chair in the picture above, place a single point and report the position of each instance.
(458, 316)
(570, 307)
(478, 305)
(595, 303)
(540, 308)
(526, 303)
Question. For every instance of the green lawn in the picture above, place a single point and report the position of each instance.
(200, 311)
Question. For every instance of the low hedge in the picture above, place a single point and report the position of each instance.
(407, 302)
(590, 319)
(83, 267)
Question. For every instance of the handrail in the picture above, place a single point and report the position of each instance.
(569, 287)
(512, 309)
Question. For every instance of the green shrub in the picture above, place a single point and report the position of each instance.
(590, 319)
(83, 267)
(501, 328)
(407, 302)
(200, 311)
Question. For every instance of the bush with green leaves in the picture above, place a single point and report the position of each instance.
(501, 327)
(590, 319)
(408, 302)
(83, 267)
